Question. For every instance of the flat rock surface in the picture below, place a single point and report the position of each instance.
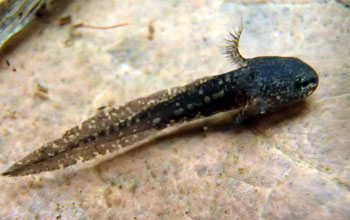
(291, 165)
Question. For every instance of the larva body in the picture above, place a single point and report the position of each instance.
(258, 86)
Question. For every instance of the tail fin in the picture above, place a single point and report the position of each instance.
(108, 131)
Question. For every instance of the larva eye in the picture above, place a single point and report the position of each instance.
(304, 83)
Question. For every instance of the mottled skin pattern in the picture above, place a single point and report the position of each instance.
(265, 83)
(258, 86)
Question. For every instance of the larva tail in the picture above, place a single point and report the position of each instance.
(81, 153)
(107, 132)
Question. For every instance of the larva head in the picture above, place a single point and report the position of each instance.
(284, 80)
(280, 80)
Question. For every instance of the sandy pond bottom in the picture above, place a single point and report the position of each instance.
(284, 167)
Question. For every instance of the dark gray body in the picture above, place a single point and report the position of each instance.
(265, 83)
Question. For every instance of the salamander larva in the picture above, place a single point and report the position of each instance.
(259, 85)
